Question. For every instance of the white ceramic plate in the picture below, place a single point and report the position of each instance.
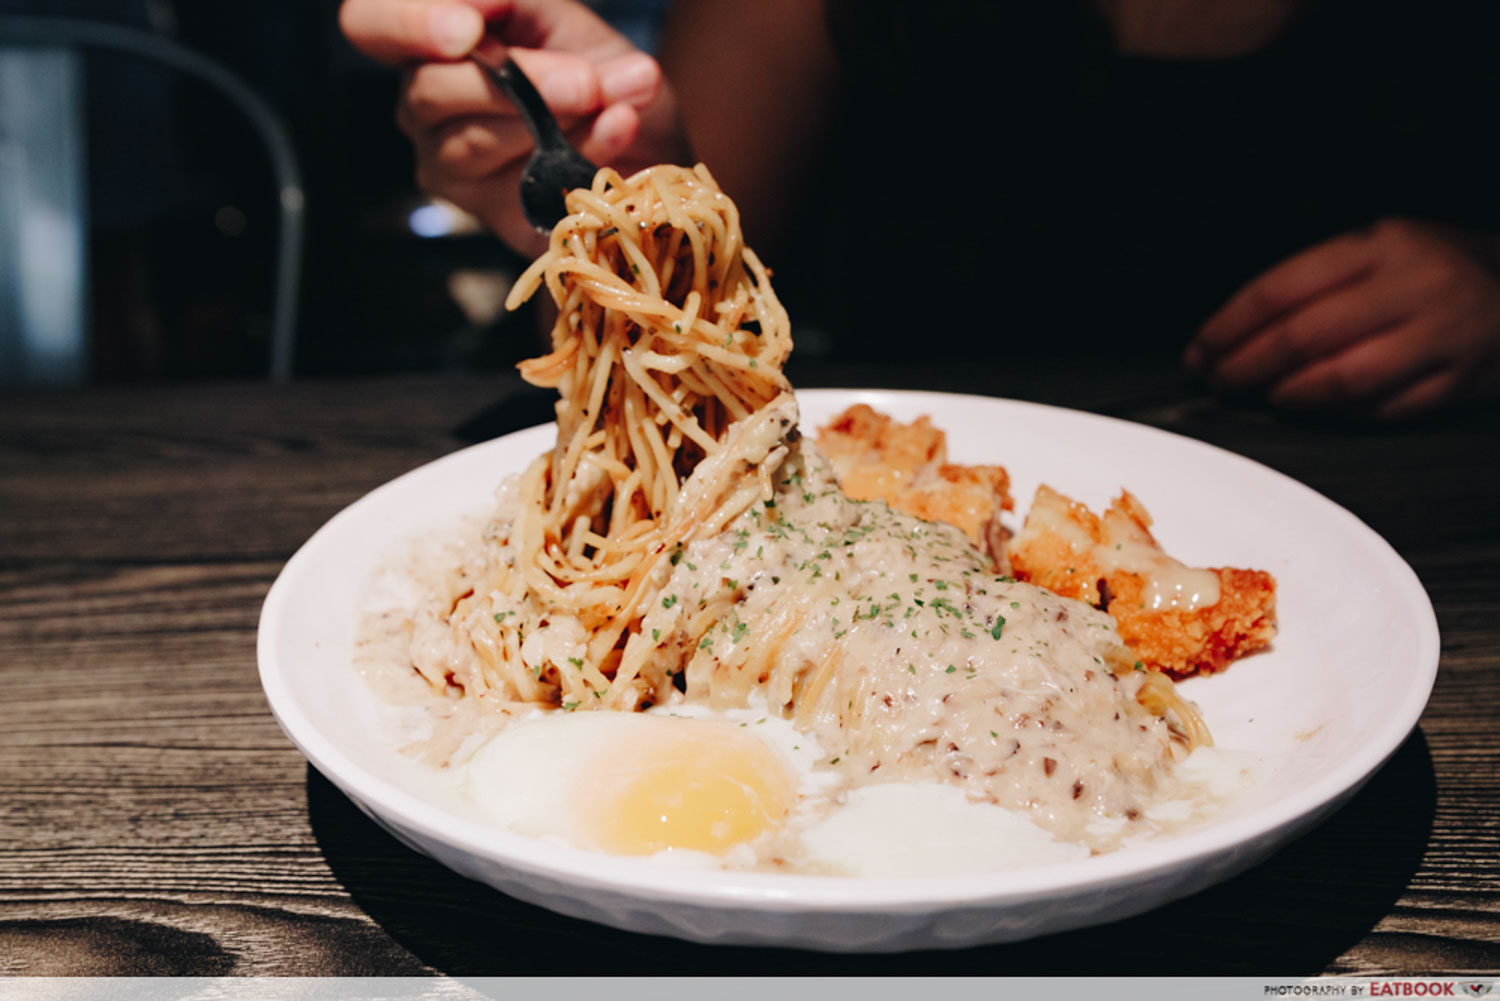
(1350, 672)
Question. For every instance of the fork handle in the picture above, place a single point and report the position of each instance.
(523, 94)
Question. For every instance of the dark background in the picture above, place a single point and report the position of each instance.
(1124, 198)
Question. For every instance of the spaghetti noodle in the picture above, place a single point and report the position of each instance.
(668, 335)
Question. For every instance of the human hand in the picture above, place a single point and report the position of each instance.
(470, 144)
(1390, 322)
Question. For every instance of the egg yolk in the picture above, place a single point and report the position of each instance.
(695, 785)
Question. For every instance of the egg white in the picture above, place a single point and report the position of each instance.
(532, 778)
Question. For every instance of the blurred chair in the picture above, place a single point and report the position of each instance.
(43, 191)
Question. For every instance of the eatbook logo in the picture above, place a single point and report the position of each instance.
(1477, 989)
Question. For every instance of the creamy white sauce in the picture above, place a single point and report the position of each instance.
(935, 667)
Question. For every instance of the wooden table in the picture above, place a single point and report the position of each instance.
(154, 820)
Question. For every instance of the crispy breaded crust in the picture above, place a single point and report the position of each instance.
(1059, 548)
(906, 466)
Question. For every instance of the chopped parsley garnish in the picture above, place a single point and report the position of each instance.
(943, 605)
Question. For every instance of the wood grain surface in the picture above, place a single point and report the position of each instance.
(154, 820)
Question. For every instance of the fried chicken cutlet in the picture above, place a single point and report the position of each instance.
(906, 465)
(1176, 618)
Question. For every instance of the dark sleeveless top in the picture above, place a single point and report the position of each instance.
(998, 179)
